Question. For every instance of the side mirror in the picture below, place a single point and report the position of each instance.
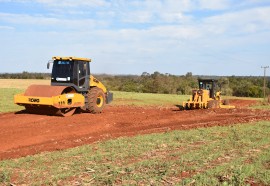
(48, 64)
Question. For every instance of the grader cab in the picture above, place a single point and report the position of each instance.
(206, 96)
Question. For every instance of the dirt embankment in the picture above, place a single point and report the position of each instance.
(24, 134)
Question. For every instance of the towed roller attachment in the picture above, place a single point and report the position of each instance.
(52, 100)
(195, 102)
(209, 104)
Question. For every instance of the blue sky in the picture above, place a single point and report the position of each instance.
(205, 37)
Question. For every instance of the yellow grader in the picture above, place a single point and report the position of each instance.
(72, 87)
(206, 96)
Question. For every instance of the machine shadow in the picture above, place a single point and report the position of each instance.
(44, 113)
(179, 108)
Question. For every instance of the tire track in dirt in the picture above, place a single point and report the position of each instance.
(24, 134)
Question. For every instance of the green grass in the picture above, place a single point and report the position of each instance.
(6, 99)
(263, 107)
(235, 155)
(120, 98)
(10, 87)
(242, 98)
(147, 99)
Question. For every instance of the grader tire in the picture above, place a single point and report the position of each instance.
(96, 100)
(213, 104)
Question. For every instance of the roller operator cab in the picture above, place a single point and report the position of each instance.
(72, 86)
(73, 72)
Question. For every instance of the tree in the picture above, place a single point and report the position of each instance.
(224, 86)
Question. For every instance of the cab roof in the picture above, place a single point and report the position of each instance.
(71, 58)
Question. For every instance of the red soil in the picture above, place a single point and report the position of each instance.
(24, 134)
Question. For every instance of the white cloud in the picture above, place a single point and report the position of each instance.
(176, 17)
(137, 17)
(72, 3)
(178, 6)
(140, 35)
(64, 3)
(214, 4)
(6, 28)
(241, 22)
(175, 32)
(23, 19)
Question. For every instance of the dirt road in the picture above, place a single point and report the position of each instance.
(24, 134)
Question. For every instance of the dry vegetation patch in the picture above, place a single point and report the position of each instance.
(21, 83)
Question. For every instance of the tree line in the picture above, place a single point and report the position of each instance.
(172, 84)
(25, 75)
(167, 83)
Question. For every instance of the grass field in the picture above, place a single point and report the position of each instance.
(148, 99)
(6, 99)
(10, 87)
(21, 83)
(263, 107)
(120, 98)
(237, 155)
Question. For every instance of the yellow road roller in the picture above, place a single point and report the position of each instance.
(72, 87)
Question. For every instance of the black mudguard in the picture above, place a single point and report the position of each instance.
(109, 97)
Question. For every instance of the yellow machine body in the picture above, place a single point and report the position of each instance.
(198, 99)
(64, 97)
(96, 83)
(68, 100)
(206, 97)
(71, 58)
(58, 101)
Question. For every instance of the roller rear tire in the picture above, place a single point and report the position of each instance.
(96, 100)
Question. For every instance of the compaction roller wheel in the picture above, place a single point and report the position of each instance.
(48, 91)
